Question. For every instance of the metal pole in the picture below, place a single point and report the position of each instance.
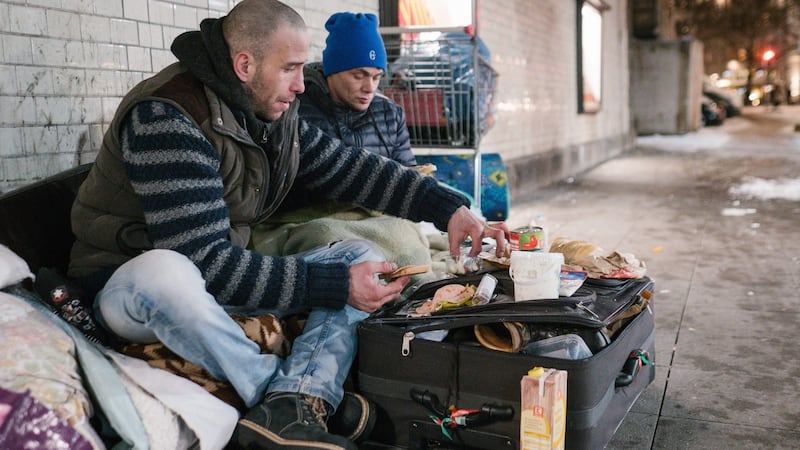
(475, 105)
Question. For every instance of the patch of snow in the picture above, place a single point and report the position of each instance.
(688, 143)
(738, 211)
(759, 188)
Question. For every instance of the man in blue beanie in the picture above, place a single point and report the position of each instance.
(342, 96)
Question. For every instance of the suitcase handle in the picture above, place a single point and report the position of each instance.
(630, 368)
(487, 413)
(429, 400)
(491, 412)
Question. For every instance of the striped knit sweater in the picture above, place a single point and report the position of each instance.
(173, 169)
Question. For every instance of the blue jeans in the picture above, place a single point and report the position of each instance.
(160, 295)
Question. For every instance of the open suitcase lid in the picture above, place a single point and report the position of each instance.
(596, 304)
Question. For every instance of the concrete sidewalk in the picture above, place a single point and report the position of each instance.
(725, 262)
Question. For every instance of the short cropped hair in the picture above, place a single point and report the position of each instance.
(250, 24)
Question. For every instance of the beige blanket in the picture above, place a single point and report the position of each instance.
(402, 241)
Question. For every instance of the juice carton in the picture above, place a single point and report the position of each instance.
(543, 417)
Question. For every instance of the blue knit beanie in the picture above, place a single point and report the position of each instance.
(353, 41)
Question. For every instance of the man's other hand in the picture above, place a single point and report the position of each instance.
(366, 292)
(463, 223)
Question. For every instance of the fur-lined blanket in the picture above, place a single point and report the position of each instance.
(270, 333)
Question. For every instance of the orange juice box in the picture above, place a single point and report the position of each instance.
(543, 417)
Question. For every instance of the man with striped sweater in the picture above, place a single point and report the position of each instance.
(193, 157)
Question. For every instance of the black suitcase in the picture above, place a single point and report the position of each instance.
(412, 379)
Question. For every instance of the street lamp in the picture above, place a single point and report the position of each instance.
(767, 58)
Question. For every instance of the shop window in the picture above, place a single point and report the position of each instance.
(590, 54)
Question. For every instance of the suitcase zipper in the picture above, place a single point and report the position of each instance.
(405, 349)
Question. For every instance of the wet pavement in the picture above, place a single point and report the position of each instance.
(715, 215)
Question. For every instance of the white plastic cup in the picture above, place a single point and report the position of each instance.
(536, 275)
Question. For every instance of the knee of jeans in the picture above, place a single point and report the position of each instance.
(159, 278)
(362, 250)
(167, 267)
(162, 257)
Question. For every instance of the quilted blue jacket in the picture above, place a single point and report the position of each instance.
(381, 128)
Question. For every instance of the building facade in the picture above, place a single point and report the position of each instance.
(65, 65)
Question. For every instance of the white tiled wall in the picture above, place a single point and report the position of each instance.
(65, 64)
(534, 50)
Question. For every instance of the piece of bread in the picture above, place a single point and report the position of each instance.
(575, 251)
(425, 169)
(405, 271)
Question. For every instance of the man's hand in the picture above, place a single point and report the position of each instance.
(366, 293)
(500, 233)
(464, 223)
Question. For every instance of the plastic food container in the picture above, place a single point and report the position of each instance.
(565, 346)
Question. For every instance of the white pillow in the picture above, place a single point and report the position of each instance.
(13, 269)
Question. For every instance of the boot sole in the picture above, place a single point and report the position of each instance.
(366, 422)
(278, 443)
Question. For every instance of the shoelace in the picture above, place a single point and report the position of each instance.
(315, 407)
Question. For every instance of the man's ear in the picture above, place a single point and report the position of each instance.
(244, 66)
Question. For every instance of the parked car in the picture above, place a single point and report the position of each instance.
(731, 109)
(712, 113)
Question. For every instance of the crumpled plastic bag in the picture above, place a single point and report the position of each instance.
(596, 262)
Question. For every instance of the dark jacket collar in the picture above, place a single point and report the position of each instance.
(207, 56)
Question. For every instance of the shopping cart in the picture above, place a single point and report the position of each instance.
(432, 75)
(442, 79)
